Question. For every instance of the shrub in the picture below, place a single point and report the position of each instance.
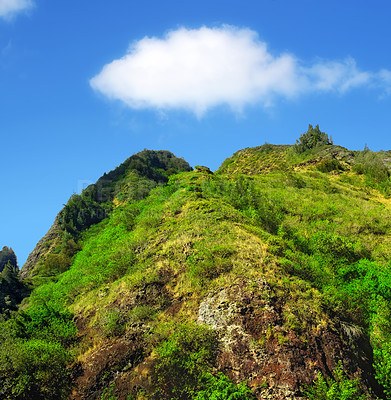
(184, 359)
(12, 289)
(376, 173)
(328, 165)
(46, 323)
(383, 367)
(82, 211)
(372, 166)
(7, 255)
(141, 313)
(108, 393)
(244, 195)
(336, 246)
(339, 388)
(54, 264)
(211, 262)
(33, 369)
(33, 354)
(221, 388)
(266, 148)
(113, 324)
(184, 365)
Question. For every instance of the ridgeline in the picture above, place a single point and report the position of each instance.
(269, 278)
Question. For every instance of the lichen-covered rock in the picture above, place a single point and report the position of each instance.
(257, 345)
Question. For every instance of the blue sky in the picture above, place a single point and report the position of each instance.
(85, 84)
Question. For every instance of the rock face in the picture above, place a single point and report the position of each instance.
(112, 360)
(40, 249)
(258, 346)
(124, 360)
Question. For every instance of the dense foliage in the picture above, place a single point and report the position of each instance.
(371, 165)
(147, 168)
(12, 289)
(34, 355)
(7, 256)
(340, 388)
(184, 366)
(311, 139)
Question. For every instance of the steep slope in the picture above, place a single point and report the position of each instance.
(252, 282)
(133, 179)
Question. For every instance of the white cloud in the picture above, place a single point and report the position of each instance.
(8, 8)
(336, 76)
(384, 78)
(198, 69)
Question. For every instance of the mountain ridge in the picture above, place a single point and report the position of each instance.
(260, 280)
(103, 191)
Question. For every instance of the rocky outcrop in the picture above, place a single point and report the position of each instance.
(258, 346)
(111, 361)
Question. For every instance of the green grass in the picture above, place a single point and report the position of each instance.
(319, 234)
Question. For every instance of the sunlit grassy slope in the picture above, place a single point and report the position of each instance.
(314, 227)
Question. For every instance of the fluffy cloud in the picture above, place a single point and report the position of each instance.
(384, 78)
(198, 69)
(8, 8)
(335, 76)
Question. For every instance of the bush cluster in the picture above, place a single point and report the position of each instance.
(245, 195)
(34, 355)
(338, 388)
(183, 369)
(371, 166)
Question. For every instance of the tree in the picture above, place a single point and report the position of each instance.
(7, 255)
(311, 139)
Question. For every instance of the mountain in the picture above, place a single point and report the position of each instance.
(266, 279)
(12, 290)
(7, 256)
(132, 180)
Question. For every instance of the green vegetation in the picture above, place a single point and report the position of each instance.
(221, 388)
(183, 360)
(245, 195)
(7, 256)
(131, 181)
(383, 366)
(12, 289)
(138, 252)
(339, 388)
(34, 355)
(311, 139)
(372, 167)
(183, 370)
(328, 165)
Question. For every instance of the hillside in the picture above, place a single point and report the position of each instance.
(267, 279)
